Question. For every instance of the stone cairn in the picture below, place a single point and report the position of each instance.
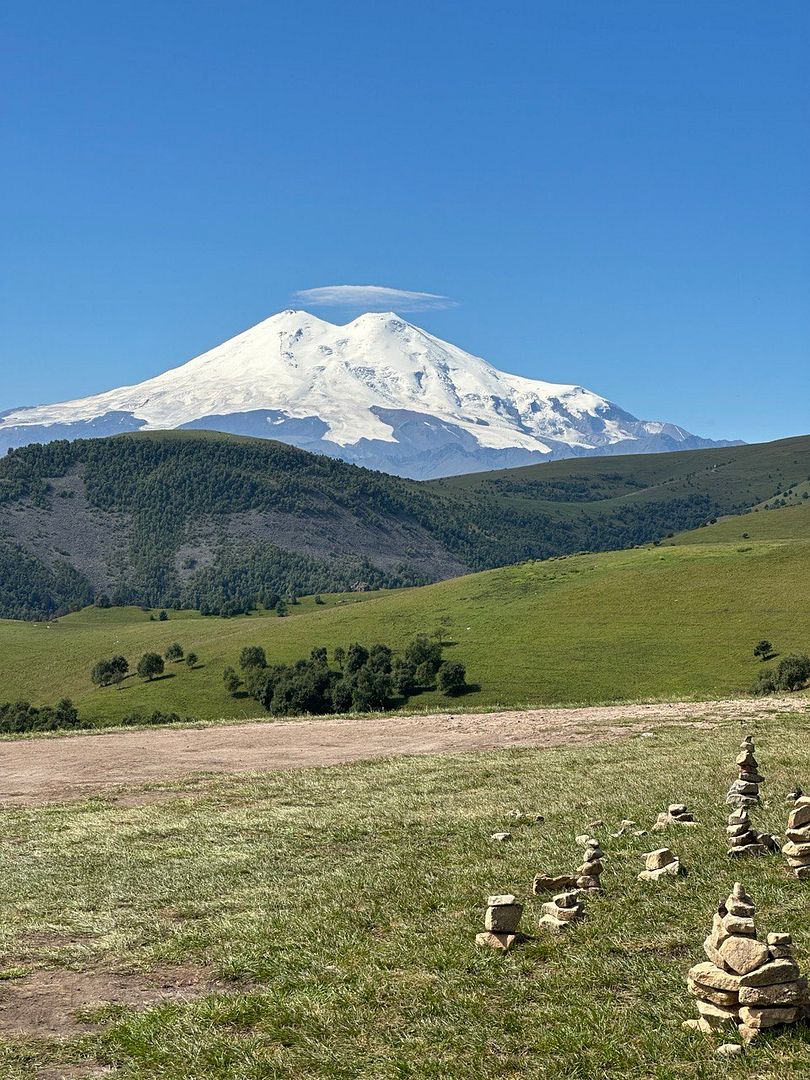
(745, 982)
(588, 875)
(501, 923)
(661, 863)
(744, 791)
(586, 878)
(675, 814)
(797, 848)
(564, 909)
(744, 840)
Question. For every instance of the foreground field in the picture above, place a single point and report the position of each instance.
(675, 621)
(320, 923)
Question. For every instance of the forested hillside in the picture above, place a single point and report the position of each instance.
(222, 523)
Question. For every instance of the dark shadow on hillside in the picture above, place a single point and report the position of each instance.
(463, 691)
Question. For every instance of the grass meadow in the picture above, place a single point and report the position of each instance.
(674, 621)
(338, 909)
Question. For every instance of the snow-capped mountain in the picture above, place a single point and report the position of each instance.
(377, 392)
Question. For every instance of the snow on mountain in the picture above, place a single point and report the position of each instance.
(377, 391)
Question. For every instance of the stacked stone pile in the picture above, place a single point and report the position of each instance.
(586, 877)
(501, 923)
(742, 840)
(661, 863)
(774, 993)
(797, 846)
(589, 873)
(675, 814)
(745, 982)
(744, 791)
(562, 911)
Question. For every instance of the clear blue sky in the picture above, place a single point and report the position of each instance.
(616, 194)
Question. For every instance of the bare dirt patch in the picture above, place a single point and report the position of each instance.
(51, 1003)
(46, 770)
(90, 1070)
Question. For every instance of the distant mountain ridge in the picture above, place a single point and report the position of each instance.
(377, 392)
(220, 522)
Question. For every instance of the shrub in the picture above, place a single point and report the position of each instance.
(452, 677)
(174, 653)
(765, 683)
(425, 674)
(403, 674)
(423, 651)
(231, 680)
(792, 672)
(252, 656)
(163, 616)
(102, 601)
(356, 657)
(191, 659)
(107, 672)
(150, 665)
(763, 649)
(136, 718)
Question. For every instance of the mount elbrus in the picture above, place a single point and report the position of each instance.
(377, 392)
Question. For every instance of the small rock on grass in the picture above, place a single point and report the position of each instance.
(729, 1050)
(501, 836)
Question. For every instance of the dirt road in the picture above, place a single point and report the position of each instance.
(45, 770)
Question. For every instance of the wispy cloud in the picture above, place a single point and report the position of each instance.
(372, 298)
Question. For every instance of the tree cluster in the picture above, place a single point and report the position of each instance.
(791, 673)
(362, 679)
(20, 716)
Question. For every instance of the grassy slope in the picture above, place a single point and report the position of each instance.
(791, 524)
(673, 621)
(347, 900)
(747, 474)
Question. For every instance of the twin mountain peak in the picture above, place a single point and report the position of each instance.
(377, 391)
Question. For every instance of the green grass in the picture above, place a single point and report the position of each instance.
(676, 621)
(789, 523)
(344, 902)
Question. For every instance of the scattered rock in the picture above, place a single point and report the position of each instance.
(729, 1050)
(544, 883)
(501, 836)
(661, 863)
(675, 814)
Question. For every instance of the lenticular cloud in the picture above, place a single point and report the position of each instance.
(373, 298)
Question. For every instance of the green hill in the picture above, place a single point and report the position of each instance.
(677, 620)
(221, 523)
